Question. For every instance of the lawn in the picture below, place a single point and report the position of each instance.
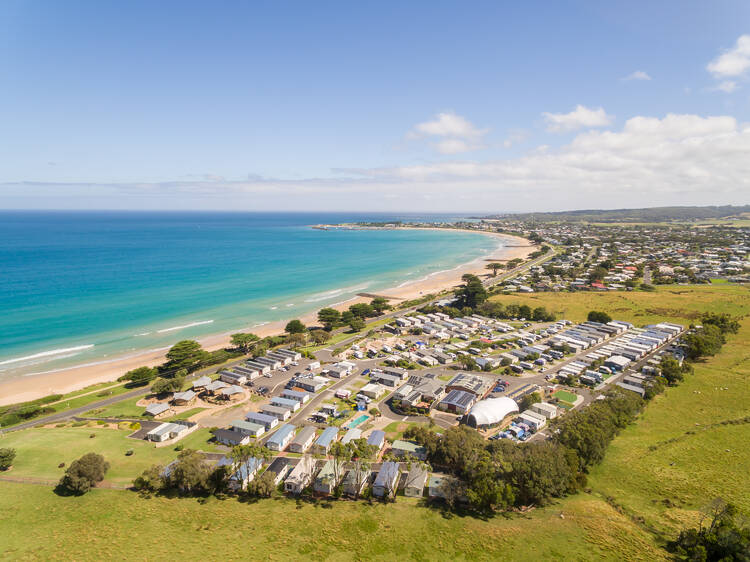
(689, 446)
(186, 414)
(38, 524)
(39, 451)
(565, 396)
(674, 303)
(124, 409)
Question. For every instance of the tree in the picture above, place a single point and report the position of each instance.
(472, 293)
(319, 336)
(704, 342)
(540, 314)
(141, 375)
(189, 473)
(297, 340)
(725, 538)
(598, 273)
(185, 354)
(341, 454)
(295, 327)
(468, 363)
(150, 480)
(362, 310)
(380, 305)
(528, 400)
(7, 455)
(524, 311)
(671, 370)
(329, 318)
(163, 385)
(598, 316)
(84, 473)
(357, 324)
(494, 266)
(262, 486)
(244, 341)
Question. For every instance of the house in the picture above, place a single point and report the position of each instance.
(327, 479)
(248, 428)
(546, 409)
(299, 396)
(475, 384)
(300, 476)
(329, 409)
(303, 440)
(533, 420)
(351, 435)
(337, 371)
(280, 468)
(457, 402)
(232, 378)
(279, 412)
(183, 398)
(386, 481)
(201, 383)
(216, 386)
(415, 482)
(355, 481)
(279, 440)
(396, 372)
(231, 438)
(232, 392)
(285, 403)
(293, 355)
(157, 410)
(406, 449)
(385, 379)
(243, 474)
(377, 439)
(435, 486)
(265, 420)
(372, 390)
(323, 443)
(312, 385)
(166, 431)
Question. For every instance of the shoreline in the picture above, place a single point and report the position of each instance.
(71, 379)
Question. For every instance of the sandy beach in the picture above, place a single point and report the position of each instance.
(75, 378)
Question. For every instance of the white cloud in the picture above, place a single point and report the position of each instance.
(732, 62)
(637, 75)
(459, 134)
(727, 86)
(581, 117)
(674, 160)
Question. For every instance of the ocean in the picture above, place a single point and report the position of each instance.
(78, 288)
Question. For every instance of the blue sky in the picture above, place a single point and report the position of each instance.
(442, 106)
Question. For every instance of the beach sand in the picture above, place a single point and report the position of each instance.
(75, 378)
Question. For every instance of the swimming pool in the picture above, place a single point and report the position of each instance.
(356, 421)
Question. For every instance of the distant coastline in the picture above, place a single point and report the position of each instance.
(104, 369)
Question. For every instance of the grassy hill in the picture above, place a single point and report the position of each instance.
(689, 446)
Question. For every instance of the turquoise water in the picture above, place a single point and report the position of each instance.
(82, 288)
(355, 422)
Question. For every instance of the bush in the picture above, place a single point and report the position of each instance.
(7, 456)
(129, 453)
(135, 426)
(83, 474)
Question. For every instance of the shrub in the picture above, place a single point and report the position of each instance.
(83, 474)
(129, 453)
(7, 455)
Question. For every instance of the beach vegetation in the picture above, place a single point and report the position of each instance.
(296, 340)
(362, 310)
(295, 327)
(380, 305)
(185, 354)
(329, 318)
(319, 336)
(140, 375)
(83, 474)
(244, 341)
(356, 324)
(164, 385)
(7, 456)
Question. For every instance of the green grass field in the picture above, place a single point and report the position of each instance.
(37, 524)
(689, 446)
(41, 450)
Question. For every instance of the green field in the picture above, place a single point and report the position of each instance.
(41, 450)
(124, 409)
(688, 447)
(565, 396)
(112, 524)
